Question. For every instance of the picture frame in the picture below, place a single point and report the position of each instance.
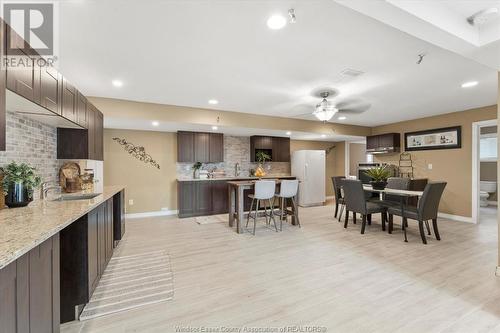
(434, 139)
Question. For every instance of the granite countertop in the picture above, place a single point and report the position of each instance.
(22, 229)
(233, 178)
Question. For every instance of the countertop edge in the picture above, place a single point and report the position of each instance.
(180, 180)
(106, 195)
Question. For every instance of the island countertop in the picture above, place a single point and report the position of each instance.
(22, 229)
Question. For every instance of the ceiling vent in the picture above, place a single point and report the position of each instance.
(351, 73)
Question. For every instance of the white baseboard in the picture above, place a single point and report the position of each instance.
(151, 214)
(456, 217)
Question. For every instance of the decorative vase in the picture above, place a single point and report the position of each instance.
(378, 185)
(259, 172)
(196, 174)
(17, 196)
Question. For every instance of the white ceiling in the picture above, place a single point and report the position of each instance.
(187, 52)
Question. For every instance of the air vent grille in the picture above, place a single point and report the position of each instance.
(349, 72)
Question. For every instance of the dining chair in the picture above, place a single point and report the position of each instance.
(394, 183)
(264, 191)
(288, 191)
(337, 191)
(427, 209)
(356, 202)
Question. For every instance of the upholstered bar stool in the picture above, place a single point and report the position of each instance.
(264, 191)
(288, 190)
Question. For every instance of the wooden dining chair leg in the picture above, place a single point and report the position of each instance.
(346, 218)
(391, 223)
(363, 224)
(427, 227)
(435, 227)
(422, 232)
(369, 219)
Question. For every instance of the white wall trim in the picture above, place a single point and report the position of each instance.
(151, 214)
(456, 218)
(476, 131)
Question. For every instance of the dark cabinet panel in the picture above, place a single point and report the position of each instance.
(281, 149)
(389, 140)
(383, 143)
(81, 111)
(109, 229)
(372, 142)
(186, 195)
(185, 146)
(93, 250)
(69, 97)
(278, 148)
(72, 143)
(91, 124)
(119, 215)
(23, 77)
(216, 147)
(203, 204)
(220, 197)
(30, 291)
(202, 147)
(99, 135)
(51, 89)
(101, 237)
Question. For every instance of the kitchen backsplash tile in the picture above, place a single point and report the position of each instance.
(236, 150)
(31, 142)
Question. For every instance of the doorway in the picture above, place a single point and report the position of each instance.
(484, 171)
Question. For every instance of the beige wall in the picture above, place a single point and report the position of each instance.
(488, 171)
(335, 159)
(150, 188)
(357, 154)
(454, 165)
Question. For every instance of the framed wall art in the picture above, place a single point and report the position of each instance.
(439, 138)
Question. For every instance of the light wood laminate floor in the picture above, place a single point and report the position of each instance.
(319, 275)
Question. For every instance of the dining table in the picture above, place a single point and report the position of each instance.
(403, 196)
(236, 190)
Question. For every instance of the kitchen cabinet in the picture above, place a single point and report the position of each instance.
(69, 97)
(220, 198)
(51, 89)
(30, 291)
(81, 111)
(23, 74)
(383, 143)
(278, 148)
(195, 198)
(87, 245)
(200, 147)
(80, 143)
(118, 216)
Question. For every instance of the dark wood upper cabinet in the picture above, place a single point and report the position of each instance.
(81, 111)
(383, 143)
(69, 98)
(24, 81)
(200, 147)
(216, 147)
(278, 148)
(51, 89)
(99, 135)
(91, 138)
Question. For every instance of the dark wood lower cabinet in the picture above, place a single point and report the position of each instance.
(87, 246)
(118, 216)
(29, 289)
(220, 199)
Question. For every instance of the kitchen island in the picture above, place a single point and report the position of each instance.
(36, 251)
(209, 196)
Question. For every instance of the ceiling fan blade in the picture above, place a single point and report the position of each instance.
(356, 110)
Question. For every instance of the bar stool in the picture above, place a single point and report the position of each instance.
(288, 190)
(264, 190)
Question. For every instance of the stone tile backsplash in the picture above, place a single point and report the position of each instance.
(236, 150)
(31, 142)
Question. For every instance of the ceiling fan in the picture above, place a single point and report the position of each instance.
(325, 110)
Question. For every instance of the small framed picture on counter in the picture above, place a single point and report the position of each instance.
(439, 138)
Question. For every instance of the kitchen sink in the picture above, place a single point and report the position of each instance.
(71, 197)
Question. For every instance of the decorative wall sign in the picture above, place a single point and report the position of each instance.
(439, 138)
(137, 151)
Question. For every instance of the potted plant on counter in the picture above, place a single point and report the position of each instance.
(379, 177)
(196, 170)
(261, 157)
(19, 181)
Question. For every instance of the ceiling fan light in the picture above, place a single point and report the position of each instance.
(325, 114)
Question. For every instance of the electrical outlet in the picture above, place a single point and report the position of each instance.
(131, 202)
(429, 166)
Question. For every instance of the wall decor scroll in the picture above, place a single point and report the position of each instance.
(137, 151)
(439, 138)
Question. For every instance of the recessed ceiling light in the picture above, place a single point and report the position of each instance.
(276, 22)
(155, 123)
(213, 101)
(470, 84)
(342, 118)
(288, 133)
(215, 128)
(117, 83)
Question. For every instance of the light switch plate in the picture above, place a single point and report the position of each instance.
(131, 202)
(429, 166)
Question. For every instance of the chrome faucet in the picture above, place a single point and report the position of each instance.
(44, 188)
(237, 169)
